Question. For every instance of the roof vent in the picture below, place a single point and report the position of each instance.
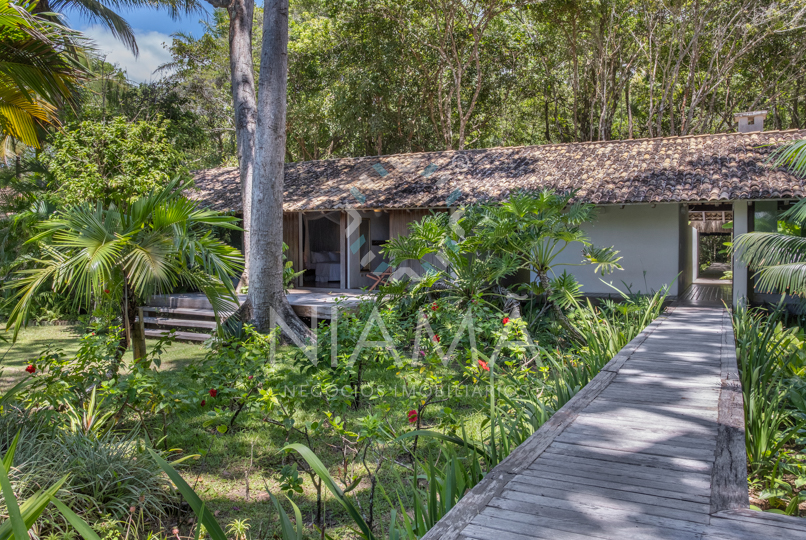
(750, 121)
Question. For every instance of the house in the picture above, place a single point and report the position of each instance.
(655, 198)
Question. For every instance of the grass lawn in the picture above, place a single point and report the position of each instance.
(237, 468)
(34, 340)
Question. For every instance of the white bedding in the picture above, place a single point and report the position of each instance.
(327, 271)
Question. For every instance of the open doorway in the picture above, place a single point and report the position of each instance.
(321, 248)
(713, 278)
(713, 259)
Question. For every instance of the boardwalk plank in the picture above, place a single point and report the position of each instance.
(545, 486)
(601, 515)
(652, 448)
(524, 523)
(579, 466)
(689, 429)
(643, 447)
(586, 498)
(623, 483)
(660, 462)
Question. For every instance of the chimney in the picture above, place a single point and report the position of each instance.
(750, 121)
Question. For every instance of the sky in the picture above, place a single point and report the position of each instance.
(152, 30)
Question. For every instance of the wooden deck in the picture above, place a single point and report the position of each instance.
(306, 302)
(652, 448)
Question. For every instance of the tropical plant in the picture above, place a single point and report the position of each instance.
(103, 252)
(40, 70)
(766, 353)
(535, 229)
(21, 517)
(778, 257)
(466, 272)
(791, 156)
(609, 327)
(103, 12)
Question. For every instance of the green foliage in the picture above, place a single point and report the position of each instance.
(240, 371)
(772, 362)
(122, 255)
(40, 70)
(90, 475)
(113, 162)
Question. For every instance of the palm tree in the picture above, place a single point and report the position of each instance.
(39, 72)
(779, 258)
(159, 242)
(102, 12)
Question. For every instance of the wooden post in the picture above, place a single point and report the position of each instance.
(300, 278)
(342, 251)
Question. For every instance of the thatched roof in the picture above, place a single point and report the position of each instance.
(723, 167)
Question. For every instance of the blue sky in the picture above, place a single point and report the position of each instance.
(152, 29)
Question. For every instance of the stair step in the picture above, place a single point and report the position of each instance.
(182, 336)
(187, 323)
(180, 311)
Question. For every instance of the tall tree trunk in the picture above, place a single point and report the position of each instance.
(627, 105)
(242, 77)
(266, 256)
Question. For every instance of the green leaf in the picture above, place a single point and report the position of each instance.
(205, 518)
(78, 524)
(13, 509)
(449, 438)
(324, 475)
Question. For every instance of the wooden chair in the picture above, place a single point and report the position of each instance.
(380, 279)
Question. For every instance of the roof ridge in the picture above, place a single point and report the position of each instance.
(574, 143)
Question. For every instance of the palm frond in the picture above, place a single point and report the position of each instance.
(760, 249)
(784, 278)
(791, 156)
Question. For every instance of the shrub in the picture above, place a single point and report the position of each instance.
(105, 475)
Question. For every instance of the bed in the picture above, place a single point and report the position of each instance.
(326, 265)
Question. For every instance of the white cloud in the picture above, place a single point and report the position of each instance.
(152, 51)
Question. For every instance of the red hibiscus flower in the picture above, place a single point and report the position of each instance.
(213, 392)
(505, 320)
(412, 416)
(483, 365)
(31, 369)
(203, 403)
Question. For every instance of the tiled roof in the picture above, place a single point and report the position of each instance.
(699, 168)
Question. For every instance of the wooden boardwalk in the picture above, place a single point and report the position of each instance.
(652, 448)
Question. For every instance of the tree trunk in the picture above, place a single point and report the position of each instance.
(244, 99)
(266, 257)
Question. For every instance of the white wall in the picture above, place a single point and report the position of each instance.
(740, 275)
(688, 248)
(648, 240)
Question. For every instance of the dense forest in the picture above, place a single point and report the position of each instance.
(371, 77)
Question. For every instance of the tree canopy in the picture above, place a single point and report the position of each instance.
(380, 77)
(116, 161)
